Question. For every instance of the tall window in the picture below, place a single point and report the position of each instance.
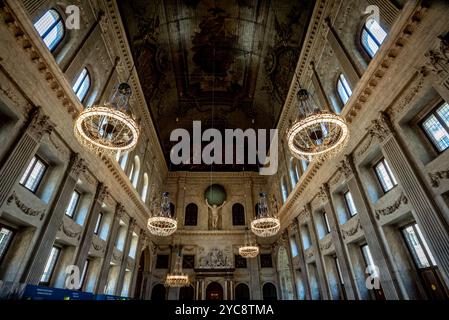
(74, 200)
(51, 28)
(84, 273)
(304, 165)
(294, 176)
(191, 215)
(369, 261)
(145, 187)
(436, 126)
(238, 215)
(123, 160)
(418, 247)
(134, 176)
(82, 85)
(98, 224)
(6, 235)
(343, 89)
(350, 206)
(373, 35)
(327, 226)
(50, 265)
(284, 190)
(293, 246)
(385, 175)
(33, 174)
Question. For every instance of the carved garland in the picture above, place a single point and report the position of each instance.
(393, 208)
(351, 230)
(26, 210)
(435, 177)
(326, 245)
(70, 233)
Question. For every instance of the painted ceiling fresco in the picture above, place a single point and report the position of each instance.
(228, 63)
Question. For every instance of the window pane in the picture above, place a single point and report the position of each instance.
(369, 44)
(50, 266)
(426, 247)
(51, 28)
(82, 85)
(387, 181)
(326, 222)
(443, 112)
(97, 225)
(84, 273)
(438, 134)
(5, 240)
(293, 246)
(369, 260)
(72, 204)
(342, 93)
(377, 31)
(350, 204)
(27, 171)
(415, 247)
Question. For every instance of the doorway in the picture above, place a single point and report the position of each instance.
(214, 291)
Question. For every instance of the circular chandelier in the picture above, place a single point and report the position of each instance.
(316, 135)
(177, 278)
(249, 249)
(110, 127)
(265, 224)
(161, 222)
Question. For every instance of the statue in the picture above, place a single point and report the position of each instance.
(214, 208)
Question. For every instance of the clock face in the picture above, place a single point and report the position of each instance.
(215, 194)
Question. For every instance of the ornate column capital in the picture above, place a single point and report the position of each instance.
(345, 167)
(438, 58)
(102, 192)
(77, 165)
(40, 124)
(381, 128)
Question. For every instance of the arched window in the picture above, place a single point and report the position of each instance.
(135, 174)
(294, 177)
(172, 209)
(51, 28)
(304, 165)
(241, 292)
(191, 215)
(238, 215)
(82, 85)
(145, 187)
(269, 292)
(373, 35)
(343, 89)
(158, 292)
(284, 190)
(123, 160)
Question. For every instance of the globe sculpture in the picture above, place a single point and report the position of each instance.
(215, 194)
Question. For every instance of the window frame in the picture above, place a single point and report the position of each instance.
(186, 216)
(371, 36)
(8, 245)
(75, 208)
(98, 223)
(86, 76)
(52, 272)
(84, 273)
(327, 226)
(339, 80)
(348, 207)
(389, 172)
(424, 247)
(235, 222)
(51, 28)
(27, 173)
(429, 138)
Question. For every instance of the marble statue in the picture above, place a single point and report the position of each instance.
(215, 212)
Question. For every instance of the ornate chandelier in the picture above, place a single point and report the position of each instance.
(161, 222)
(177, 278)
(110, 127)
(265, 224)
(316, 134)
(249, 249)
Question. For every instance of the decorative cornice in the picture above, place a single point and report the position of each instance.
(77, 165)
(392, 208)
(24, 208)
(435, 177)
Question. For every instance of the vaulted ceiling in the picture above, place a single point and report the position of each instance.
(228, 63)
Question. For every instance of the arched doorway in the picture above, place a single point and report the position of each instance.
(139, 278)
(214, 291)
(186, 293)
(142, 277)
(269, 292)
(241, 292)
(158, 292)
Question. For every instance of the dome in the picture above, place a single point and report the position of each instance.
(215, 194)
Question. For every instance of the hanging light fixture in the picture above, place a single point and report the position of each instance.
(265, 224)
(177, 278)
(108, 128)
(316, 134)
(250, 249)
(161, 223)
